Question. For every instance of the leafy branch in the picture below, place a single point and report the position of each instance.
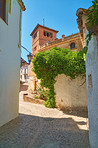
(91, 22)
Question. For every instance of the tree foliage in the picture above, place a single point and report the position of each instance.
(48, 64)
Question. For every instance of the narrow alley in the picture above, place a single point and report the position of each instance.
(41, 127)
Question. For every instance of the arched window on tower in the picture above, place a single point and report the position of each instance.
(72, 45)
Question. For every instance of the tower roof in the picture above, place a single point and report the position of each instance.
(38, 25)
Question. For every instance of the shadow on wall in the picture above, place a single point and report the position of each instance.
(26, 128)
(77, 111)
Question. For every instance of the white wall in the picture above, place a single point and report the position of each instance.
(10, 65)
(23, 72)
(92, 91)
(70, 93)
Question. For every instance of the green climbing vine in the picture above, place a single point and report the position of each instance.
(48, 64)
(91, 21)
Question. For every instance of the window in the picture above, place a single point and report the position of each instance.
(51, 35)
(72, 45)
(35, 48)
(5, 6)
(48, 34)
(45, 33)
(35, 35)
(3, 9)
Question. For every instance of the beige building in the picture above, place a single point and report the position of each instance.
(69, 93)
(10, 54)
(44, 38)
(72, 42)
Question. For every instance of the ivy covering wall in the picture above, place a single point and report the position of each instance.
(92, 23)
(48, 64)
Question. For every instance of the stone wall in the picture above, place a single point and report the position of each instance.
(64, 42)
(70, 93)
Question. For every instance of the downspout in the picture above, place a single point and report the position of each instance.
(20, 30)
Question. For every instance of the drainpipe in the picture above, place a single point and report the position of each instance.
(20, 23)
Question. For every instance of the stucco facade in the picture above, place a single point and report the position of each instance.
(92, 89)
(91, 78)
(10, 53)
(70, 93)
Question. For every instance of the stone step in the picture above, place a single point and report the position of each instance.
(28, 98)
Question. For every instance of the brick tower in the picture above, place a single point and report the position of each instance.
(40, 36)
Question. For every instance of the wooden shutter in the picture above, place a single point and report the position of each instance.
(3, 9)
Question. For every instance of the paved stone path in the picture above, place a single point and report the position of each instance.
(41, 127)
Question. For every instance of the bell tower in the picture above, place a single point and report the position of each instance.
(40, 36)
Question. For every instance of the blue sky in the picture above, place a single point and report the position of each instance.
(58, 14)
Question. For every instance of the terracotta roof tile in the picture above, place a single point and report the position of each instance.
(21, 5)
(42, 27)
(81, 11)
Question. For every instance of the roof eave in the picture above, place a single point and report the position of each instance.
(42, 26)
(21, 5)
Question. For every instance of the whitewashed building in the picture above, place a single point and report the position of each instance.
(10, 54)
(24, 77)
(91, 75)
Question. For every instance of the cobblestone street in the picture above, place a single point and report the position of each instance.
(41, 127)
